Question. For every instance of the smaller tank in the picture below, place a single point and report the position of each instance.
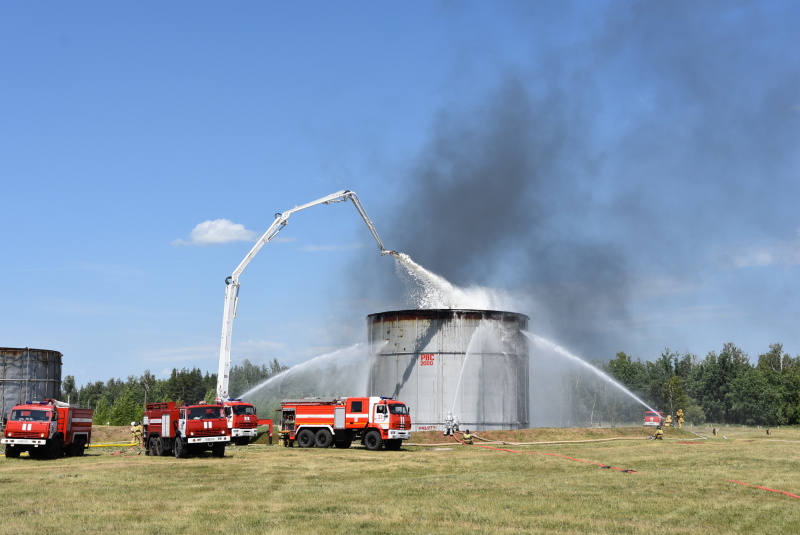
(28, 374)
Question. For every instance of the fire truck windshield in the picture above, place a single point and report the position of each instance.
(205, 413)
(243, 410)
(398, 409)
(24, 415)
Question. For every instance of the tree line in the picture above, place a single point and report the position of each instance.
(722, 388)
(118, 402)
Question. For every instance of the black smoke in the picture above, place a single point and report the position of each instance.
(655, 134)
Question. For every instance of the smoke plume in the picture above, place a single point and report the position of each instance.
(606, 164)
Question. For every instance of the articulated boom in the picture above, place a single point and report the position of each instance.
(232, 282)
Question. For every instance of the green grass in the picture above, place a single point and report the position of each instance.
(680, 486)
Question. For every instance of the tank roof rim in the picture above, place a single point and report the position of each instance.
(442, 311)
(29, 349)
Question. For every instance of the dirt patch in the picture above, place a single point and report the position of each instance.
(116, 434)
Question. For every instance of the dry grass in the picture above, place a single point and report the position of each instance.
(680, 486)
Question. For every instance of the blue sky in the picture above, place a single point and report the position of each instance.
(628, 171)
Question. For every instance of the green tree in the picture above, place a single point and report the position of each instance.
(125, 409)
(754, 398)
(69, 392)
(674, 396)
(715, 376)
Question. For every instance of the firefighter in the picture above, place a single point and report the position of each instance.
(467, 438)
(448, 424)
(679, 414)
(659, 434)
(133, 432)
(138, 433)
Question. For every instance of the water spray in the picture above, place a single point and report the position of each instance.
(564, 353)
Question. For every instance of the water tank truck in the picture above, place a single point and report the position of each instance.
(325, 422)
(185, 430)
(47, 429)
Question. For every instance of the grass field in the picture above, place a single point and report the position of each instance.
(530, 484)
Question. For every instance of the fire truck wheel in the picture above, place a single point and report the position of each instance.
(373, 440)
(305, 439)
(324, 438)
(78, 447)
(54, 448)
(394, 444)
(155, 446)
(12, 452)
(180, 449)
(218, 449)
(343, 444)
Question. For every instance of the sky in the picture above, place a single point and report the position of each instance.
(627, 173)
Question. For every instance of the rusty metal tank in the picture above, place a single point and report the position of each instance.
(473, 363)
(28, 374)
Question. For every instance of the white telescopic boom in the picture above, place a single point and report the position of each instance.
(232, 282)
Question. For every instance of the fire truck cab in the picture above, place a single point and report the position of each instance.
(242, 421)
(325, 422)
(653, 418)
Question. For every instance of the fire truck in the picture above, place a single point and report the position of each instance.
(47, 429)
(653, 418)
(326, 422)
(242, 419)
(185, 430)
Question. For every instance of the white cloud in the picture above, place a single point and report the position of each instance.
(217, 232)
(782, 252)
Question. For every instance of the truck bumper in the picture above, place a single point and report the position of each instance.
(243, 432)
(395, 433)
(24, 441)
(206, 440)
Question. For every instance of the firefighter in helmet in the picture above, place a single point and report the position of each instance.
(138, 433)
(659, 434)
(449, 424)
(467, 438)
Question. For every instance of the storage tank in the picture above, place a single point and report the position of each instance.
(28, 374)
(473, 363)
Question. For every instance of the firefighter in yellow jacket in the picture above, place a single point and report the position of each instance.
(138, 433)
(466, 438)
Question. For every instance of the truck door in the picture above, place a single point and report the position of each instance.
(381, 414)
(338, 418)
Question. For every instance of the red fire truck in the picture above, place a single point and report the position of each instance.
(653, 418)
(185, 430)
(47, 429)
(326, 422)
(242, 421)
